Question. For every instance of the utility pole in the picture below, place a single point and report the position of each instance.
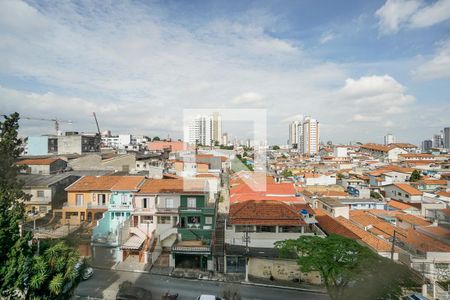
(393, 245)
(246, 240)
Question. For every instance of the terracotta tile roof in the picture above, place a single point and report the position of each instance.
(433, 182)
(403, 145)
(408, 189)
(156, 186)
(128, 183)
(423, 242)
(368, 238)
(412, 220)
(38, 161)
(270, 213)
(437, 231)
(400, 205)
(93, 183)
(376, 147)
(424, 155)
(443, 194)
(331, 226)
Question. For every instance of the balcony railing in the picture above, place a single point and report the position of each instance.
(120, 206)
(98, 206)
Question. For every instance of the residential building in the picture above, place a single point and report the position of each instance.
(46, 191)
(73, 142)
(295, 133)
(389, 174)
(388, 153)
(88, 198)
(427, 145)
(112, 230)
(438, 141)
(447, 137)
(42, 145)
(389, 139)
(319, 179)
(310, 136)
(170, 145)
(204, 130)
(43, 166)
(403, 192)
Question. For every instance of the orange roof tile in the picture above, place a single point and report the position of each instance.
(412, 220)
(331, 226)
(155, 186)
(400, 205)
(268, 212)
(128, 183)
(38, 161)
(408, 189)
(94, 183)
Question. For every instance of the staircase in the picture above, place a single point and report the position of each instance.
(219, 243)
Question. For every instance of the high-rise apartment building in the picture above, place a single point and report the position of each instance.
(295, 132)
(389, 139)
(427, 145)
(447, 137)
(438, 141)
(309, 141)
(217, 127)
(204, 130)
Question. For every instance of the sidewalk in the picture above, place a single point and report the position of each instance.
(230, 278)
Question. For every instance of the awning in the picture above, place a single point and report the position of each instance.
(191, 250)
(133, 243)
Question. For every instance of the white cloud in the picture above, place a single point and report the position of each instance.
(411, 13)
(436, 67)
(326, 37)
(435, 13)
(374, 98)
(394, 13)
(248, 98)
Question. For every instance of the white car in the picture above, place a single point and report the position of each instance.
(208, 297)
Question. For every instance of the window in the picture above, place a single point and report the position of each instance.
(191, 202)
(290, 229)
(265, 228)
(147, 219)
(169, 203)
(164, 220)
(79, 199)
(40, 194)
(243, 228)
(101, 199)
(144, 203)
(208, 220)
(193, 220)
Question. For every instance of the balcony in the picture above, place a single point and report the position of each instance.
(97, 206)
(39, 200)
(167, 209)
(68, 205)
(120, 207)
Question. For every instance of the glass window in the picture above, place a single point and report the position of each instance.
(79, 199)
(243, 228)
(193, 220)
(40, 194)
(101, 199)
(144, 203)
(208, 220)
(169, 203)
(147, 219)
(191, 202)
(290, 229)
(265, 228)
(164, 220)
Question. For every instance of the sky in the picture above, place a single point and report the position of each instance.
(362, 68)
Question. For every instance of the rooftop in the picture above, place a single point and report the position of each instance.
(39, 161)
(38, 180)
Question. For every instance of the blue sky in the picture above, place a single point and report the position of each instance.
(363, 68)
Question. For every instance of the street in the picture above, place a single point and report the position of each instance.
(104, 284)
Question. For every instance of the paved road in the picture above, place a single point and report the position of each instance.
(104, 284)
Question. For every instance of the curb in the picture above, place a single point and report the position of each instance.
(282, 287)
(217, 280)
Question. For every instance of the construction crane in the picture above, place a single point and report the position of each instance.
(96, 122)
(55, 120)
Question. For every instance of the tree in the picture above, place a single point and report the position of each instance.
(415, 176)
(14, 250)
(55, 274)
(22, 273)
(287, 173)
(348, 269)
(156, 138)
(276, 147)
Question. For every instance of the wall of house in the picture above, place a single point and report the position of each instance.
(39, 169)
(287, 270)
(260, 239)
(395, 193)
(40, 204)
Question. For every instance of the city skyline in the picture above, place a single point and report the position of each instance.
(364, 69)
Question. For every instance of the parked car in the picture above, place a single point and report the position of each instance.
(208, 297)
(86, 271)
